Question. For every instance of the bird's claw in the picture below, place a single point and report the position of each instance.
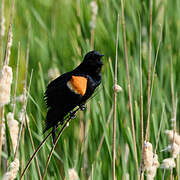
(82, 107)
(72, 115)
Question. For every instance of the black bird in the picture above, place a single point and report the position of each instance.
(72, 89)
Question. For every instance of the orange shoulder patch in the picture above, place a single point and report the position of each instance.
(78, 84)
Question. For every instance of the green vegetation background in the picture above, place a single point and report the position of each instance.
(60, 35)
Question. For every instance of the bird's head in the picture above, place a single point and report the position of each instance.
(92, 62)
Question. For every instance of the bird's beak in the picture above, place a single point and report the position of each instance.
(101, 55)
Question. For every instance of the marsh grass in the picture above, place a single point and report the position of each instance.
(58, 34)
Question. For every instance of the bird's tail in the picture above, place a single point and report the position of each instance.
(52, 118)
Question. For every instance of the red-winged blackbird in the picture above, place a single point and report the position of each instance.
(72, 89)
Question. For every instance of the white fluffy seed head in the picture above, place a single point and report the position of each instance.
(21, 115)
(73, 174)
(92, 25)
(14, 129)
(174, 149)
(148, 146)
(151, 173)
(147, 156)
(2, 26)
(126, 154)
(3, 135)
(150, 161)
(2, 19)
(6, 76)
(172, 135)
(94, 10)
(149, 177)
(9, 44)
(13, 169)
(94, 7)
(173, 120)
(168, 163)
(155, 161)
(10, 40)
(20, 98)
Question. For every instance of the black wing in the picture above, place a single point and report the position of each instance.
(54, 93)
(60, 100)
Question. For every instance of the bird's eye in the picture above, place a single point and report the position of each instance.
(97, 57)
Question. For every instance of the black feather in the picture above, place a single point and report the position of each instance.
(61, 100)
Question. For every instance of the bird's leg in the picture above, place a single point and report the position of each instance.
(82, 107)
(54, 134)
(72, 115)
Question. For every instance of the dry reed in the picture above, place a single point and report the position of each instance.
(29, 130)
(149, 72)
(115, 97)
(57, 139)
(2, 32)
(129, 88)
(24, 102)
(17, 70)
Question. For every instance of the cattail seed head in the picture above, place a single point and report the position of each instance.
(155, 161)
(21, 115)
(13, 169)
(171, 135)
(168, 163)
(20, 98)
(73, 174)
(147, 156)
(126, 155)
(94, 10)
(174, 149)
(10, 40)
(2, 19)
(94, 7)
(14, 129)
(9, 44)
(151, 173)
(5, 84)
(3, 135)
(2, 26)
